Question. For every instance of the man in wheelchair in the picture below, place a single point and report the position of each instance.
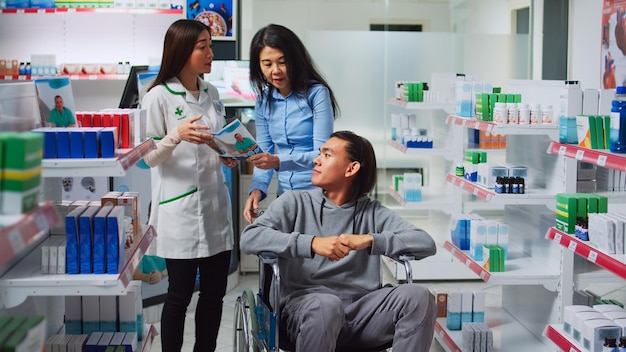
(329, 241)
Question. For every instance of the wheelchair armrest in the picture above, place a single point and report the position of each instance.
(268, 257)
(405, 260)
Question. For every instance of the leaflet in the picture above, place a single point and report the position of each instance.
(234, 141)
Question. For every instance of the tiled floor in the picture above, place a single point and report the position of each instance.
(225, 338)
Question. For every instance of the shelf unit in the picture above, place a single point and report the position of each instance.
(533, 269)
(614, 265)
(91, 10)
(23, 290)
(505, 328)
(24, 279)
(108, 167)
(436, 196)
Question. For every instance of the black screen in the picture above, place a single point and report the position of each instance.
(130, 96)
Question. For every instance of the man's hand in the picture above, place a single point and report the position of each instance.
(337, 247)
(356, 242)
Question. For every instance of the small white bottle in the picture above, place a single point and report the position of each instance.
(547, 115)
(535, 113)
(523, 115)
(512, 113)
(500, 113)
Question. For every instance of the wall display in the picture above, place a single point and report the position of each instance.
(48, 89)
(613, 49)
(218, 15)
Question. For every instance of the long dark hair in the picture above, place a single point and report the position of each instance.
(179, 43)
(301, 70)
(361, 150)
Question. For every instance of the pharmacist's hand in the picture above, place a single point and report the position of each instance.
(229, 162)
(154, 277)
(331, 247)
(194, 133)
(264, 161)
(251, 208)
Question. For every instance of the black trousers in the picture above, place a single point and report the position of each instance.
(182, 279)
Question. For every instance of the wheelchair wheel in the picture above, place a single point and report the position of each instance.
(246, 324)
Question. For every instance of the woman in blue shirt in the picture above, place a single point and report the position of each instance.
(294, 113)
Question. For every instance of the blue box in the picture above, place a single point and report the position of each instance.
(72, 240)
(92, 142)
(99, 240)
(115, 240)
(63, 144)
(49, 142)
(108, 142)
(86, 239)
(92, 342)
(77, 145)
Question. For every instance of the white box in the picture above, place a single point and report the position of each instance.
(91, 314)
(466, 306)
(61, 257)
(108, 313)
(478, 236)
(591, 101)
(594, 332)
(73, 315)
(569, 315)
(579, 322)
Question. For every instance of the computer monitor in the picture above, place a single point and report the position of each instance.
(232, 80)
(131, 95)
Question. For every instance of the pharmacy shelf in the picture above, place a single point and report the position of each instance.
(91, 10)
(556, 334)
(431, 200)
(20, 233)
(505, 129)
(447, 107)
(107, 167)
(518, 270)
(599, 157)
(74, 77)
(613, 263)
(508, 334)
(530, 197)
(25, 279)
(421, 152)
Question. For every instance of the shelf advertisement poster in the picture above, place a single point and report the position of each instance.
(219, 16)
(613, 47)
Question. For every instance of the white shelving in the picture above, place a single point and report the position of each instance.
(431, 200)
(529, 270)
(108, 167)
(24, 280)
(447, 107)
(614, 265)
(508, 334)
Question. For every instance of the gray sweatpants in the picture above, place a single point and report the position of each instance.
(404, 314)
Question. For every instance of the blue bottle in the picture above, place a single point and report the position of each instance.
(617, 134)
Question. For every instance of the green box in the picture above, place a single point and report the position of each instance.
(26, 150)
(607, 127)
(600, 132)
(566, 206)
(482, 106)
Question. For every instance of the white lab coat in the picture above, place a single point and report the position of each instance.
(191, 209)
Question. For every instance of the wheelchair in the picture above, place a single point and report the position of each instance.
(256, 323)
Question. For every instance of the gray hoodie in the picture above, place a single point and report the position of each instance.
(293, 219)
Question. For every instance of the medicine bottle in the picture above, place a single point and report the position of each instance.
(523, 114)
(546, 115)
(622, 344)
(610, 344)
(459, 170)
(617, 134)
(500, 113)
(535, 114)
(512, 113)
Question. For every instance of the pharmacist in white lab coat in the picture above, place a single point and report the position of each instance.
(191, 209)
